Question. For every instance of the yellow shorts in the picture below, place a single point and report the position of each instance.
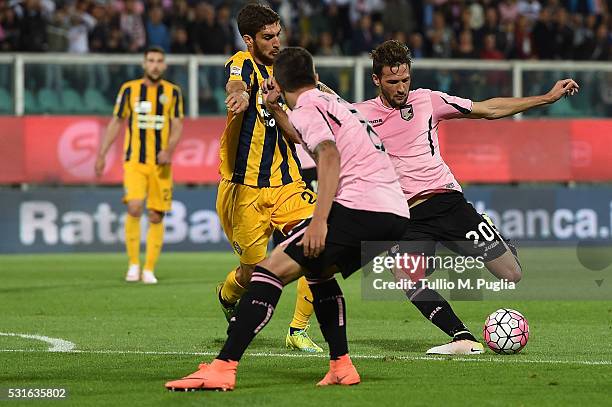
(153, 182)
(249, 215)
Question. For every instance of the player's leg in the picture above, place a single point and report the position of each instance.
(420, 235)
(257, 307)
(246, 223)
(457, 227)
(155, 240)
(347, 230)
(293, 203)
(507, 265)
(286, 264)
(134, 185)
(135, 208)
(470, 233)
(254, 312)
(230, 290)
(434, 306)
(159, 201)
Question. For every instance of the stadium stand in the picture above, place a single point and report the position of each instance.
(495, 30)
(524, 29)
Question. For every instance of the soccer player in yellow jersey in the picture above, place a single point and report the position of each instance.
(153, 108)
(261, 188)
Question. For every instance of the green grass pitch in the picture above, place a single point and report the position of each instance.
(131, 338)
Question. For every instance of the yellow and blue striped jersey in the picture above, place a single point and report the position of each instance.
(148, 110)
(253, 150)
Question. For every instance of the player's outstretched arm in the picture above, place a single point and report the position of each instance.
(497, 108)
(271, 92)
(328, 167)
(237, 99)
(107, 141)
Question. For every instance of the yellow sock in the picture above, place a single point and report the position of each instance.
(155, 240)
(232, 290)
(303, 305)
(132, 239)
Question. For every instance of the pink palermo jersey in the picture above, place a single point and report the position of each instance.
(367, 179)
(410, 137)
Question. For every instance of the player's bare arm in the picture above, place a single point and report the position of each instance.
(327, 157)
(271, 95)
(164, 157)
(497, 108)
(112, 130)
(237, 100)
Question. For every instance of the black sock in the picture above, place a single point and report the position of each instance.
(329, 307)
(254, 311)
(435, 308)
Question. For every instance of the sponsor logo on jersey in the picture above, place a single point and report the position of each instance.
(375, 121)
(407, 112)
(143, 107)
(151, 121)
(237, 248)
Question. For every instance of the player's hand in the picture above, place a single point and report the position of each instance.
(99, 167)
(271, 93)
(314, 238)
(564, 87)
(164, 157)
(237, 102)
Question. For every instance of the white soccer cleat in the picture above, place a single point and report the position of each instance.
(462, 347)
(133, 273)
(148, 277)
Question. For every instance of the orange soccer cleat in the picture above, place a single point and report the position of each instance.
(219, 375)
(341, 371)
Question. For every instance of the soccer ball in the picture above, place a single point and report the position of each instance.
(506, 331)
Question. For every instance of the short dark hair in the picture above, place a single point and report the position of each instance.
(253, 17)
(294, 69)
(154, 48)
(390, 53)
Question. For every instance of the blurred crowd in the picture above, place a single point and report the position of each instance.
(486, 29)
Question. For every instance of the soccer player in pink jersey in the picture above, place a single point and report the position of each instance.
(407, 123)
(359, 199)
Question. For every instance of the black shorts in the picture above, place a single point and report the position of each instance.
(346, 229)
(449, 219)
(309, 176)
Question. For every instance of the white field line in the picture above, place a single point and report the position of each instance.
(55, 344)
(479, 359)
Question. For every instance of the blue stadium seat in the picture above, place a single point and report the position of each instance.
(220, 97)
(564, 109)
(6, 102)
(95, 103)
(49, 101)
(30, 103)
(72, 102)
